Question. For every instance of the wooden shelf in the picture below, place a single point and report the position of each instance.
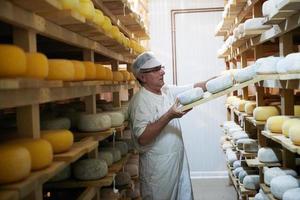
(265, 188)
(256, 163)
(9, 195)
(116, 167)
(23, 83)
(258, 124)
(97, 136)
(35, 179)
(88, 193)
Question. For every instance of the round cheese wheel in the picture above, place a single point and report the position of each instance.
(268, 155)
(262, 113)
(70, 4)
(90, 70)
(60, 140)
(239, 135)
(259, 196)
(98, 17)
(107, 156)
(36, 65)
(106, 24)
(94, 122)
(40, 150)
(117, 118)
(101, 73)
(90, 169)
(230, 99)
(132, 169)
(62, 175)
(287, 124)
(251, 182)
(12, 61)
(272, 173)
(220, 83)
(231, 157)
(274, 123)
(60, 69)
(87, 9)
(115, 152)
(281, 184)
(190, 96)
(126, 75)
(15, 163)
(109, 74)
(122, 146)
(79, 70)
(237, 171)
(227, 145)
(115, 32)
(132, 77)
(294, 134)
(241, 105)
(291, 194)
(117, 76)
(236, 164)
(249, 107)
(245, 173)
(232, 130)
(122, 178)
(297, 110)
(57, 123)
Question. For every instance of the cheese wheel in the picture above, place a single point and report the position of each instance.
(40, 150)
(219, 84)
(268, 155)
(122, 178)
(79, 70)
(15, 163)
(245, 173)
(132, 169)
(132, 77)
(36, 65)
(249, 107)
(236, 164)
(251, 182)
(231, 157)
(12, 61)
(117, 76)
(107, 156)
(190, 96)
(109, 74)
(297, 110)
(274, 123)
(62, 175)
(281, 184)
(267, 65)
(272, 173)
(262, 113)
(122, 146)
(70, 4)
(87, 9)
(233, 130)
(90, 70)
(94, 122)
(230, 99)
(291, 194)
(115, 152)
(90, 169)
(101, 72)
(57, 123)
(115, 32)
(98, 17)
(60, 69)
(126, 75)
(106, 24)
(294, 134)
(245, 74)
(241, 105)
(60, 140)
(287, 124)
(237, 171)
(239, 135)
(117, 118)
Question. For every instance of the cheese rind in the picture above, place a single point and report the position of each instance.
(90, 169)
(287, 124)
(268, 155)
(36, 65)
(60, 140)
(274, 123)
(60, 69)
(262, 113)
(90, 70)
(294, 134)
(281, 184)
(94, 122)
(190, 96)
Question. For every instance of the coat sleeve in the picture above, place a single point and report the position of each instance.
(175, 90)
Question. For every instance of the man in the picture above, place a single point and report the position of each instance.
(156, 132)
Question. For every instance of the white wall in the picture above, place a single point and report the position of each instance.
(196, 60)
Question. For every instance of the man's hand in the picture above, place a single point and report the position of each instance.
(174, 111)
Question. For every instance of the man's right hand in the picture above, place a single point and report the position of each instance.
(174, 111)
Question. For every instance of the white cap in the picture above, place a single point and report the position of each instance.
(145, 60)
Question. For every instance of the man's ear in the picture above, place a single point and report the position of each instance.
(142, 77)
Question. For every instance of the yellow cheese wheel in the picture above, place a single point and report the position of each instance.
(40, 150)
(90, 70)
(87, 9)
(60, 140)
(294, 134)
(15, 163)
(70, 4)
(79, 68)
(60, 69)
(132, 77)
(37, 65)
(241, 105)
(230, 99)
(262, 113)
(117, 76)
(12, 61)
(100, 72)
(115, 32)
(287, 124)
(274, 123)
(109, 74)
(249, 107)
(297, 110)
(98, 17)
(126, 75)
(106, 24)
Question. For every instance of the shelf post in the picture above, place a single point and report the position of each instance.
(243, 59)
(116, 95)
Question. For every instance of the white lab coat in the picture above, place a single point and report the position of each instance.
(164, 170)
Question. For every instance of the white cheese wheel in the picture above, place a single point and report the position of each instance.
(230, 99)
(62, 175)
(291, 194)
(239, 135)
(294, 66)
(262, 113)
(245, 173)
(122, 146)
(107, 156)
(249, 107)
(281, 184)
(267, 65)
(231, 131)
(122, 178)
(271, 173)
(227, 145)
(90, 169)
(57, 123)
(60, 140)
(281, 66)
(274, 123)
(237, 171)
(251, 147)
(297, 110)
(268, 155)
(132, 169)
(251, 182)
(268, 8)
(287, 124)
(117, 118)
(255, 23)
(15, 163)
(231, 157)
(258, 196)
(115, 152)
(94, 122)
(219, 84)
(294, 134)
(36, 65)
(190, 96)
(245, 74)
(240, 142)
(236, 164)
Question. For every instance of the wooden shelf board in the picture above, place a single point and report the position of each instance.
(97, 136)
(63, 17)
(248, 154)
(289, 5)
(245, 191)
(271, 197)
(116, 167)
(265, 188)
(28, 185)
(289, 76)
(23, 83)
(39, 6)
(88, 193)
(9, 194)
(258, 124)
(77, 150)
(256, 163)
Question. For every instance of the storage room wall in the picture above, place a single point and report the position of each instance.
(197, 60)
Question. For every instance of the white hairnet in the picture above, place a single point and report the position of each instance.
(145, 60)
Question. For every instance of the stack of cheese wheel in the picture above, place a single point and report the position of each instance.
(12, 61)
(126, 75)
(262, 113)
(90, 70)
(40, 150)
(93, 122)
(37, 65)
(98, 17)
(70, 4)
(79, 70)
(87, 9)
(60, 140)
(294, 134)
(287, 124)
(117, 76)
(90, 169)
(101, 72)
(15, 163)
(60, 69)
(274, 123)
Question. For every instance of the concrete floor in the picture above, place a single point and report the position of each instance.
(213, 189)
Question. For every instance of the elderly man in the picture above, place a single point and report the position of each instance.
(156, 132)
